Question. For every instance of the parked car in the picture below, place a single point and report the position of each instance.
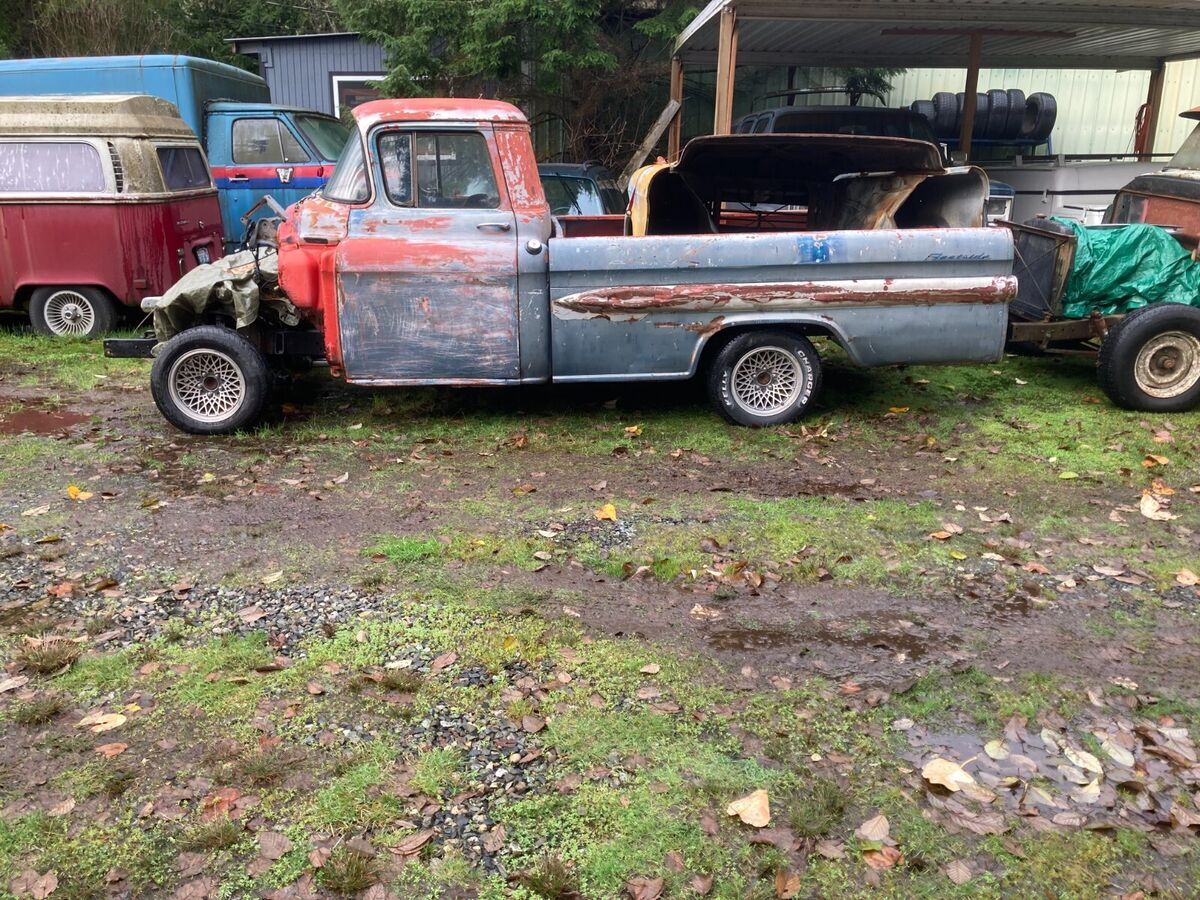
(253, 146)
(1170, 197)
(863, 121)
(428, 259)
(104, 200)
(581, 189)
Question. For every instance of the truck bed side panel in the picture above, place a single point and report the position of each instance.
(644, 307)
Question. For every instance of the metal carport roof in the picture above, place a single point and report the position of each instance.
(1055, 34)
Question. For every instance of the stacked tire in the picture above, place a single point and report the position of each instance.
(1005, 116)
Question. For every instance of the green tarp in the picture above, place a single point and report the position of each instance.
(1117, 270)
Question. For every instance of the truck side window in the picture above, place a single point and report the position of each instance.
(455, 170)
(265, 142)
(395, 157)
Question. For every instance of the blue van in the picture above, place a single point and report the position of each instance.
(253, 147)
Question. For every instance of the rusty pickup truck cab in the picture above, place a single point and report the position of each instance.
(431, 258)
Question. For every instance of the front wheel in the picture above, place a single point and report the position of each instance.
(210, 380)
(1150, 360)
(81, 312)
(764, 378)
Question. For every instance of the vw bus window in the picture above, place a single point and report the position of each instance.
(183, 168)
(36, 167)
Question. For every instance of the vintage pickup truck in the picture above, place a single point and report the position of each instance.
(431, 258)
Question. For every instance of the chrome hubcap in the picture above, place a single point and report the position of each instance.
(766, 381)
(207, 385)
(1168, 364)
(69, 314)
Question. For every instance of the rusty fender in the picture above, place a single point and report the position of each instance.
(637, 301)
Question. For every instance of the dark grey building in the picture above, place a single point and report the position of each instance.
(325, 72)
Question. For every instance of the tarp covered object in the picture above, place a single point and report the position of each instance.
(232, 285)
(1120, 269)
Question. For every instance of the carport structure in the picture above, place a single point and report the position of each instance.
(970, 34)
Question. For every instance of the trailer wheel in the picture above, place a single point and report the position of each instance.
(1150, 360)
(210, 380)
(81, 312)
(764, 378)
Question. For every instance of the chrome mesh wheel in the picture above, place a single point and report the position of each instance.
(1168, 364)
(766, 381)
(69, 314)
(207, 385)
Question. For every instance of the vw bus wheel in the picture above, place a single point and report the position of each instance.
(79, 312)
(1150, 360)
(764, 378)
(210, 380)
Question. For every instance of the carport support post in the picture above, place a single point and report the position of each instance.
(726, 63)
(675, 134)
(974, 61)
(1154, 97)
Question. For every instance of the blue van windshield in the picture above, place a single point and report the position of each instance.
(327, 135)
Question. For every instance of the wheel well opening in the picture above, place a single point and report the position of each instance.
(717, 342)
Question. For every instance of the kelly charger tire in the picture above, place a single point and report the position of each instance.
(1150, 360)
(764, 378)
(67, 311)
(210, 380)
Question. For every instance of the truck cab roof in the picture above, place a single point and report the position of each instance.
(430, 109)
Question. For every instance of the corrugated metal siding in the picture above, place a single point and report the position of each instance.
(301, 70)
(1096, 108)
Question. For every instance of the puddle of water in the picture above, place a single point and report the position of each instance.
(913, 646)
(32, 420)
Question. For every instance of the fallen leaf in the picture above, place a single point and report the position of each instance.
(606, 513)
(700, 611)
(633, 430)
(883, 858)
(1187, 578)
(996, 749)
(532, 724)
(411, 844)
(1117, 753)
(315, 688)
(75, 492)
(1155, 509)
(100, 722)
(273, 844)
(522, 489)
(754, 809)
(787, 884)
(251, 614)
(642, 888)
(651, 669)
(63, 808)
(898, 410)
(940, 535)
(946, 773)
(958, 871)
(830, 849)
(30, 884)
(493, 841)
(108, 751)
(444, 660)
(272, 577)
(875, 829)
(701, 884)
(319, 856)
(1068, 476)
(37, 511)
(1084, 760)
(11, 684)
(1153, 459)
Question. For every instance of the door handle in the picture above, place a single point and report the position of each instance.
(233, 178)
(502, 226)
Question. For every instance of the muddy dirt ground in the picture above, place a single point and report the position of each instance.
(1005, 526)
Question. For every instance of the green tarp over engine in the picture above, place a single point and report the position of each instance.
(1117, 270)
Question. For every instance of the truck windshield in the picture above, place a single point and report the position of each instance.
(327, 135)
(572, 196)
(1188, 156)
(348, 184)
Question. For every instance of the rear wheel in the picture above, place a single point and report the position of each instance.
(1150, 360)
(210, 380)
(81, 312)
(764, 378)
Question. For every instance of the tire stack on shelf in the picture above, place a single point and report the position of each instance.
(1002, 116)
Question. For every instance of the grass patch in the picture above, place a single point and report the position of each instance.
(47, 654)
(39, 710)
(437, 771)
(215, 834)
(406, 550)
(348, 872)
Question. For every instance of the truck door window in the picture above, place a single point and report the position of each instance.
(50, 167)
(183, 168)
(452, 170)
(265, 142)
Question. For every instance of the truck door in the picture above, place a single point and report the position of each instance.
(427, 275)
(267, 157)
